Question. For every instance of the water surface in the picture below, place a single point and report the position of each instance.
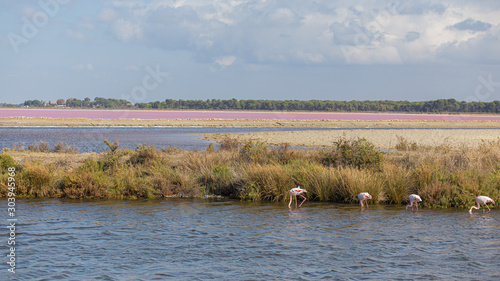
(184, 239)
(91, 139)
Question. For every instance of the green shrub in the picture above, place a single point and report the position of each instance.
(254, 151)
(39, 147)
(405, 145)
(62, 147)
(270, 182)
(143, 154)
(230, 144)
(220, 181)
(85, 184)
(35, 180)
(6, 161)
(112, 146)
(358, 153)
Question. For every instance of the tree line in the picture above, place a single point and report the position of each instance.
(433, 106)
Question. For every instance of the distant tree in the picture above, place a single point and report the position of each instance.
(86, 102)
(33, 103)
(60, 102)
(72, 102)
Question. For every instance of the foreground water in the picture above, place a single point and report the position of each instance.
(184, 239)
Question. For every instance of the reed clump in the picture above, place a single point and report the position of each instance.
(443, 176)
(59, 147)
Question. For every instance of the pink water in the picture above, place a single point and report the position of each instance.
(251, 115)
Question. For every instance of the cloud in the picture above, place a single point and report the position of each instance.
(126, 30)
(88, 67)
(481, 49)
(471, 25)
(75, 35)
(107, 15)
(226, 61)
(132, 68)
(87, 25)
(293, 32)
(420, 7)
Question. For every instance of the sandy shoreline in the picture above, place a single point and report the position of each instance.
(454, 133)
(382, 138)
(214, 122)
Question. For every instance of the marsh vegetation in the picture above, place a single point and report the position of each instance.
(443, 176)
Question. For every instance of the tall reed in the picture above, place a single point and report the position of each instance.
(351, 181)
(443, 176)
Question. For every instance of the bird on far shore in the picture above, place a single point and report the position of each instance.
(482, 200)
(414, 198)
(293, 193)
(364, 196)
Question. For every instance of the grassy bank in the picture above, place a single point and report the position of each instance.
(442, 176)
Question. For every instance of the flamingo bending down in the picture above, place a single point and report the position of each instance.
(414, 198)
(293, 193)
(364, 196)
(482, 200)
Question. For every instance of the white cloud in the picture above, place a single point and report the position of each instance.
(88, 67)
(75, 35)
(132, 68)
(86, 25)
(126, 30)
(226, 61)
(267, 32)
(107, 15)
(482, 48)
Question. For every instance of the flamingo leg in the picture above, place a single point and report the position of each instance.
(416, 204)
(361, 202)
(302, 201)
(488, 208)
(290, 204)
(366, 203)
(295, 201)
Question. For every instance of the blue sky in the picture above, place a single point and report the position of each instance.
(146, 51)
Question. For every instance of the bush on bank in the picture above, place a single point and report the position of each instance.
(442, 176)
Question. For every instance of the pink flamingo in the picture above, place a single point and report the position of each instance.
(414, 198)
(482, 200)
(364, 196)
(294, 192)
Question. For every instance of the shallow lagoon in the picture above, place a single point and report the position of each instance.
(91, 139)
(188, 239)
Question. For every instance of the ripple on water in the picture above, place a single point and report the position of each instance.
(203, 240)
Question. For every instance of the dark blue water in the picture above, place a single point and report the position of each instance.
(188, 239)
(91, 139)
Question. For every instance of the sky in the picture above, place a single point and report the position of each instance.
(144, 51)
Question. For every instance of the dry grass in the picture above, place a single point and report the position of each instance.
(443, 176)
